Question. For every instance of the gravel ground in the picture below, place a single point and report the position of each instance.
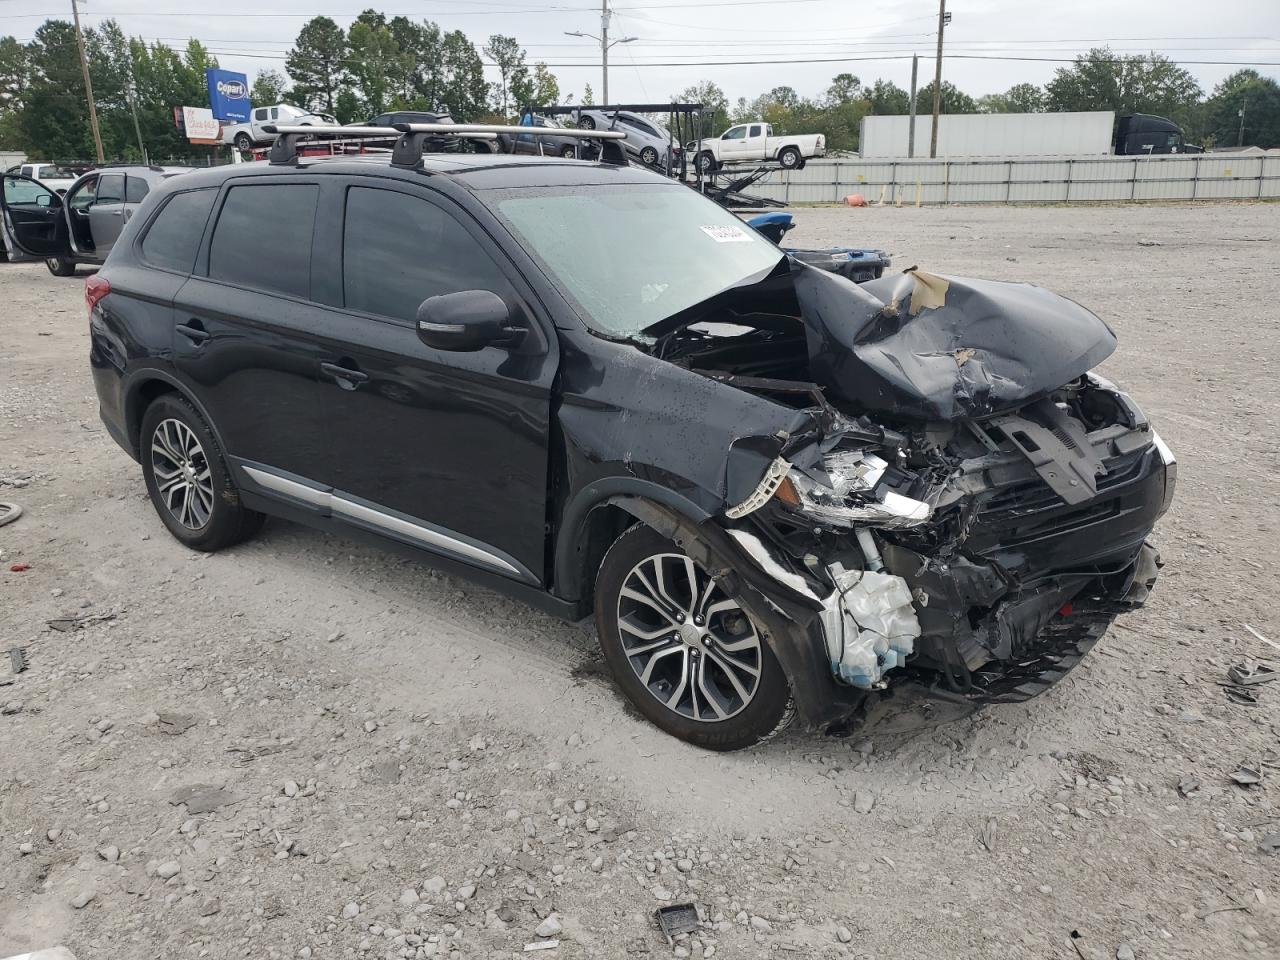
(306, 748)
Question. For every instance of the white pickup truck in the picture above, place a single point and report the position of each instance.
(755, 141)
(246, 136)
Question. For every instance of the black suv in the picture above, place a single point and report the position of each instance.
(587, 386)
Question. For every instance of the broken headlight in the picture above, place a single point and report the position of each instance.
(854, 493)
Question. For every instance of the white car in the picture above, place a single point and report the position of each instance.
(755, 142)
(54, 176)
(245, 136)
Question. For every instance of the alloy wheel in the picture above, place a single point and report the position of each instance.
(693, 648)
(182, 474)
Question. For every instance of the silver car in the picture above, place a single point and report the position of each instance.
(646, 140)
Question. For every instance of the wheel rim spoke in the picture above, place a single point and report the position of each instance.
(182, 475)
(693, 648)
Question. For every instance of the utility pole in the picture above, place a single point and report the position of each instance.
(943, 17)
(88, 87)
(911, 130)
(605, 44)
(1240, 136)
(133, 108)
(604, 50)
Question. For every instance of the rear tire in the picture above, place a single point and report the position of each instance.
(587, 123)
(188, 480)
(244, 143)
(60, 266)
(712, 680)
(568, 153)
(789, 157)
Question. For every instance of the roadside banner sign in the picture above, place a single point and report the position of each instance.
(200, 125)
(228, 95)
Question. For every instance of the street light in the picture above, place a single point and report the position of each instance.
(605, 44)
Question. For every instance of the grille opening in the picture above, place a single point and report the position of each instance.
(1021, 439)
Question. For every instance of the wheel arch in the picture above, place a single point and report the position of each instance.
(143, 389)
(594, 519)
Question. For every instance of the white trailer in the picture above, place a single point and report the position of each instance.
(966, 135)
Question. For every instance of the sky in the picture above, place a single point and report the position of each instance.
(773, 37)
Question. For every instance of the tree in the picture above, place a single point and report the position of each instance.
(318, 64)
(887, 99)
(508, 56)
(269, 86)
(544, 87)
(953, 100)
(1101, 80)
(374, 64)
(1020, 98)
(588, 98)
(844, 88)
(54, 123)
(463, 86)
(15, 70)
(1258, 97)
(715, 105)
(419, 74)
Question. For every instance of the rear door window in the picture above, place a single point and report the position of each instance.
(174, 235)
(135, 189)
(263, 237)
(398, 250)
(110, 188)
(755, 130)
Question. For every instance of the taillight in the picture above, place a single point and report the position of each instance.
(95, 288)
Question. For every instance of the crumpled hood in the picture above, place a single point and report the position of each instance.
(924, 347)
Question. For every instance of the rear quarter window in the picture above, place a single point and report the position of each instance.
(174, 236)
(263, 237)
(135, 189)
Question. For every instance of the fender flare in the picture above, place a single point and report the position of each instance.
(620, 491)
(132, 388)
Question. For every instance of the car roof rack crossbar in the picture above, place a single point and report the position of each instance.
(408, 149)
(284, 149)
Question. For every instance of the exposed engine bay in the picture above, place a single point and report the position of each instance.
(967, 502)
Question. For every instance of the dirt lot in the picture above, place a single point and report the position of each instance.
(393, 763)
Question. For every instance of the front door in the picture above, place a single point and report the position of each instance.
(732, 141)
(33, 220)
(106, 213)
(443, 449)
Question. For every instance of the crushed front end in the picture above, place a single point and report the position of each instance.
(971, 507)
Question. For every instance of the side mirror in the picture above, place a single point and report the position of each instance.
(466, 321)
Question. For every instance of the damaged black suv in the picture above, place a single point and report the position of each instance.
(587, 386)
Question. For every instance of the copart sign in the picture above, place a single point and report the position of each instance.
(228, 95)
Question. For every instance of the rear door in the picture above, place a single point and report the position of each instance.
(106, 213)
(245, 335)
(33, 220)
(444, 450)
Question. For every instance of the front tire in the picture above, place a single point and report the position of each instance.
(789, 157)
(60, 266)
(568, 153)
(687, 655)
(707, 162)
(188, 480)
(649, 157)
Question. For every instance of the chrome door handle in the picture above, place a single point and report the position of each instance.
(341, 373)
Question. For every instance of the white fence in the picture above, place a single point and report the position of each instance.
(1054, 180)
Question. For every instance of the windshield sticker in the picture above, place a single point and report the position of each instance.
(727, 234)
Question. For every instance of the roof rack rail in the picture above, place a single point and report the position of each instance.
(408, 150)
(284, 149)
